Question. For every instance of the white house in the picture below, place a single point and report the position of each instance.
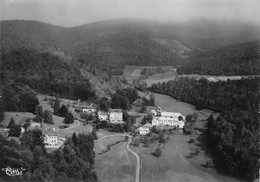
(102, 115)
(169, 119)
(51, 137)
(115, 116)
(143, 130)
(153, 112)
(88, 109)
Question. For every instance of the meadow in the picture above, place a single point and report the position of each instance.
(116, 165)
(174, 165)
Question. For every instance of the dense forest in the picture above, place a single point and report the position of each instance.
(239, 59)
(73, 162)
(19, 97)
(116, 43)
(123, 98)
(234, 136)
(45, 73)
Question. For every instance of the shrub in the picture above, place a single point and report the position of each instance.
(191, 141)
(209, 164)
(157, 152)
(136, 142)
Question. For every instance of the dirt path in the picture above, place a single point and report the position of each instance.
(137, 174)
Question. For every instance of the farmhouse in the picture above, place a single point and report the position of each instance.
(51, 137)
(115, 116)
(168, 119)
(103, 115)
(143, 130)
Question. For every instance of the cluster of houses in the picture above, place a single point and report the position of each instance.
(114, 116)
(162, 118)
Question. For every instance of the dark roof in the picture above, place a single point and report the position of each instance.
(50, 132)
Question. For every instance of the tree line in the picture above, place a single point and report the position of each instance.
(239, 59)
(73, 162)
(234, 136)
(45, 73)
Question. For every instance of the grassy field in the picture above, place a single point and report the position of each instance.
(170, 104)
(160, 77)
(102, 143)
(173, 164)
(116, 165)
(19, 117)
(133, 72)
(171, 75)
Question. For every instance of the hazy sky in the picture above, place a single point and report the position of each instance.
(77, 12)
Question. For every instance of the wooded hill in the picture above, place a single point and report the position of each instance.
(44, 73)
(116, 43)
(238, 59)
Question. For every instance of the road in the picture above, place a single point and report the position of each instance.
(138, 164)
(137, 174)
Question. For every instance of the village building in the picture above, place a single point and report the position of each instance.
(116, 116)
(153, 112)
(51, 137)
(143, 130)
(169, 119)
(88, 109)
(103, 116)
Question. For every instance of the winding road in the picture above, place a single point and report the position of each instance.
(137, 174)
(138, 160)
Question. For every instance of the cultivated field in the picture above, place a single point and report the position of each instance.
(133, 72)
(116, 165)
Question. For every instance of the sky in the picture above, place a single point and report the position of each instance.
(77, 12)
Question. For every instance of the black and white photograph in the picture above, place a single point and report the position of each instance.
(129, 90)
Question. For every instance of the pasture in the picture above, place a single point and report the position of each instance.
(170, 104)
(160, 77)
(116, 165)
(102, 143)
(173, 164)
(133, 72)
(19, 117)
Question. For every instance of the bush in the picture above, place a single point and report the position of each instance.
(209, 164)
(69, 119)
(47, 117)
(157, 152)
(191, 141)
(136, 142)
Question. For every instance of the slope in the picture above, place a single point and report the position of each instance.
(238, 59)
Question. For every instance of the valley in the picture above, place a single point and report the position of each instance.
(130, 100)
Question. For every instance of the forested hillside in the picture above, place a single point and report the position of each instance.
(73, 162)
(44, 73)
(234, 136)
(239, 59)
(116, 43)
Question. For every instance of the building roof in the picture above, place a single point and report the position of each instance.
(115, 110)
(143, 128)
(102, 112)
(51, 132)
(148, 125)
(173, 114)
